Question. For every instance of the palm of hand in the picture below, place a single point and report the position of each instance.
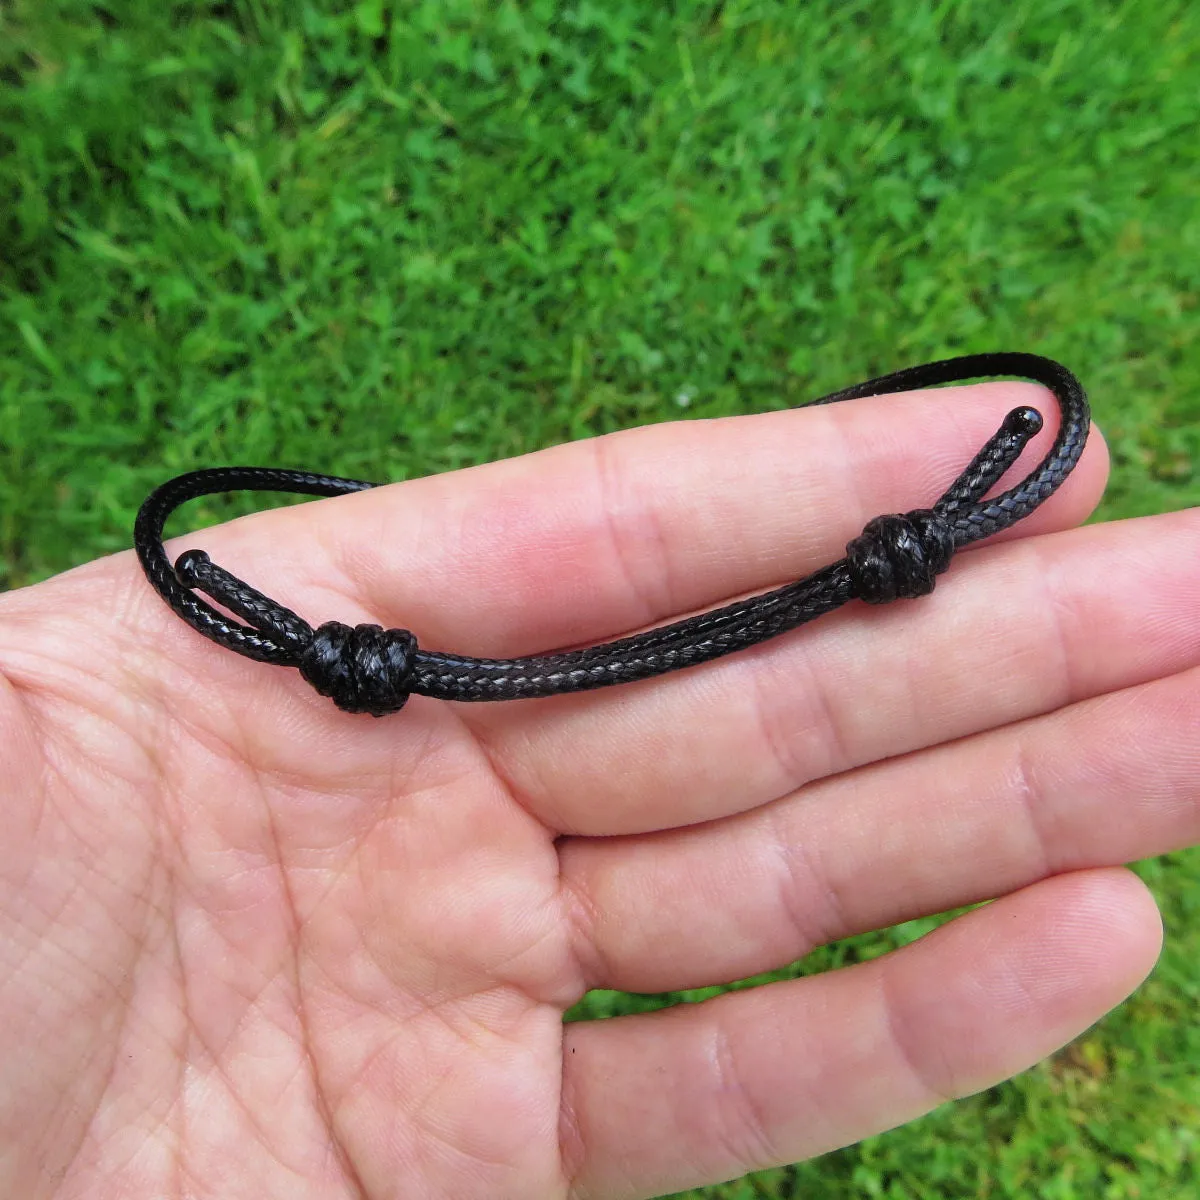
(266, 956)
(257, 947)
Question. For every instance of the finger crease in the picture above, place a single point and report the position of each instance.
(747, 1127)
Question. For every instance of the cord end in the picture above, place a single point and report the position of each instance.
(187, 566)
(1023, 422)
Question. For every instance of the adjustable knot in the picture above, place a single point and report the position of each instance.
(366, 669)
(899, 555)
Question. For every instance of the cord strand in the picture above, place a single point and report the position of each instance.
(373, 670)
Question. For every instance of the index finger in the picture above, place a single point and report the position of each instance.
(600, 537)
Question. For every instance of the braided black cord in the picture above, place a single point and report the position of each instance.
(370, 669)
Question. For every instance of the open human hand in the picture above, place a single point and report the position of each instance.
(253, 946)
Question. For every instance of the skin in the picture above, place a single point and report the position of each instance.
(253, 946)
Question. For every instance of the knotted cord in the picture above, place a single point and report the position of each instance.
(368, 669)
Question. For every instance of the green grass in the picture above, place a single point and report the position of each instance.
(386, 240)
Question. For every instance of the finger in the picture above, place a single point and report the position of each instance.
(573, 544)
(1025, 628)
(1100, 783)
(598, 537)
(752, 1079)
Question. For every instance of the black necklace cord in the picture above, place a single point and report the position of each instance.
(368, 669)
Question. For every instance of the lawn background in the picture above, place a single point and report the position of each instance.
(383, 240)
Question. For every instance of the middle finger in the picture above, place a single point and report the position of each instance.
(1024, 628)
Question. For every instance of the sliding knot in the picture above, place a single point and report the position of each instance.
(366, 669)
(899, 555)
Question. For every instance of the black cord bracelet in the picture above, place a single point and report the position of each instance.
(368, 669)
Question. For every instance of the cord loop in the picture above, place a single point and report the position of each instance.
(368, 669)
(364, 669)
(898, 556)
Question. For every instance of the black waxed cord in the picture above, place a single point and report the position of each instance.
(368, 669)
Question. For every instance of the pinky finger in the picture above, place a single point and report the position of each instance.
(662, 1102)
